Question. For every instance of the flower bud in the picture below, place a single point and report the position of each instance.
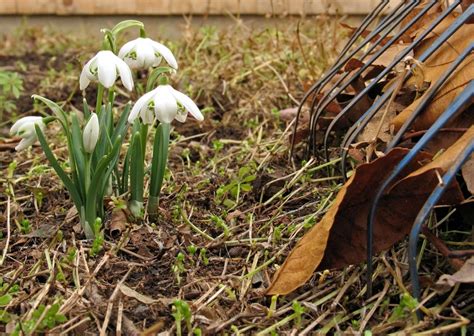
(91, 133)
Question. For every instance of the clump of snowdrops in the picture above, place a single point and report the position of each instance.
(103, 158)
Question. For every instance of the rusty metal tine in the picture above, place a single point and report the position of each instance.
(462, 101)
(423, 215)
(334, 70)
(363, 26)
(331, 94)
(459, 21)
(429, 96)
(355, 130)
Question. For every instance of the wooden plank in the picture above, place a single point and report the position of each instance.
(8, 6)
(179, 7)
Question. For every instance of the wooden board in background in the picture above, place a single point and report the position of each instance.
(179, 7)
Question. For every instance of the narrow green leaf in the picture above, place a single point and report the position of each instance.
(55, 108)
(160, 158)
(100, 177)
(57, 168)
(136, 169)
(77, 152)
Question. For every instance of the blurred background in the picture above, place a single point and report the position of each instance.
(164, 16)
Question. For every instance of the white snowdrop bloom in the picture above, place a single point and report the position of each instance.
(90, 134)
(144, 53)
(25, 128)
(166, 104)
(104, 67)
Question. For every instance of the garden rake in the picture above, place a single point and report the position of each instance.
(369, 48)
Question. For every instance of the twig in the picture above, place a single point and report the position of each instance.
(5, 249)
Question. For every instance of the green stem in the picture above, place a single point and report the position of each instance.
(158, 166)
(87, 172)
(100, 94)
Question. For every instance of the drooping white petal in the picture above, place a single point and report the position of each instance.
(126, 49)
(107, 70)
(165, 52)
(125, 74)
(86, 75)
(187, 103)
(165, 104)
(144, 53)
(25, 128)
(142, 101)
(23, 121)
(25, 143)
(91, 133)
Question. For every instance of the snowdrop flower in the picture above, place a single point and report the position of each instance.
(91, 133)
(144, 53)
(167, 104)
(25, 128)
(104, 67)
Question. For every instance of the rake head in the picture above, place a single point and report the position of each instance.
(373, 74)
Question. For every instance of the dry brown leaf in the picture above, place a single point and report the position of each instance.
(435, 66)
(118, 222)
(423, 21)
(404, 38)
(468, 174)
(464, 275)
(339, 239)
(140, 297)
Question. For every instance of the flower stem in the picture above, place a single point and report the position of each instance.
(100, 94)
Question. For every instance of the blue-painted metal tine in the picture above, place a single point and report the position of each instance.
(364, 24)
(326, 77)
(433, 47)
(462, 101)
(332, 93)
(394, 21)
(424, 213)
(355, 130)
(429, 96)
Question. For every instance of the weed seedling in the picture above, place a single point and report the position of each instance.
(178, 267)
(181, 312)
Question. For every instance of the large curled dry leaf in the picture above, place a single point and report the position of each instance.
(434, 68)
(339, 239)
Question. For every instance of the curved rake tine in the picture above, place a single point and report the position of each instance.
(355, 130)
(333, 92)
(461, 102)
(339, 63)
(423, 215)
(364, 24)
(429, 96)
(433, 47)
(388, 24)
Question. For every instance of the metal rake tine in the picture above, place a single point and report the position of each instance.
(364, 24)
(339, 63)
(423, 215)
(433, 47)
(358, 127)
(355, 130)
(429, 96)
(462, 101)
(395, 18)
(336, 89)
